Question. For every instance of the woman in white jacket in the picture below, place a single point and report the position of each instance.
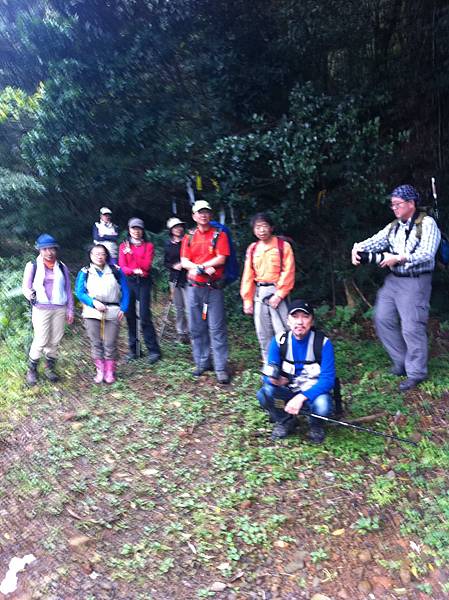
(103, 291)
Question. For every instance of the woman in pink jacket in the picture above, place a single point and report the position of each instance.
(135, 259)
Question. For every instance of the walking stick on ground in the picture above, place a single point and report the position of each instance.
(306, 413)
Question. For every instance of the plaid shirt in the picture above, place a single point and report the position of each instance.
(419, 254)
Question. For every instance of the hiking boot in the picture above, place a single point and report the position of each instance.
(409, 384)
(281, 431)
(131, 356)
(222, 377)
(99, 365)
(198, 371)
(153, 357)
(316, 435)
(397, 370)
(31, 376)
(109, 371)
(49, 370)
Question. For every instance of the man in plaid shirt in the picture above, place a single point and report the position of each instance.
(402, 304)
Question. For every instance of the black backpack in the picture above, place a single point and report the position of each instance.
(318, 342)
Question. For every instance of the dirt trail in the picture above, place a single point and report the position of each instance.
(161, 487)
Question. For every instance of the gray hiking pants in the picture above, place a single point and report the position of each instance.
(209, 334)
(400, 316)
(103, 337)
(268, 321)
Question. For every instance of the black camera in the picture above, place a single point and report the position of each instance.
(371, 258)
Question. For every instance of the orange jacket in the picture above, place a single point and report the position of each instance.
(263, 264)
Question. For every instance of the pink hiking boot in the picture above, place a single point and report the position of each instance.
(99, 365)
(109, 371)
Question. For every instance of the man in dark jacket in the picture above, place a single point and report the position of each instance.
(177, 276)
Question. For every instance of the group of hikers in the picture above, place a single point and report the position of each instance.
(299, 364)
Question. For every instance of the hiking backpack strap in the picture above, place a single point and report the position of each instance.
(318, 343)
(281, 243)
(115, 271)
(283, 341)
(417, 219)
(34, 267)
(214, 239)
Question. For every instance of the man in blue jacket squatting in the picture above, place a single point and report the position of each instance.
(294, 378)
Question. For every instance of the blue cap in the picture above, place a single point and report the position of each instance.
(407, 193)
(45, 240)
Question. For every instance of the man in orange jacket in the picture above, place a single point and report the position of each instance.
(268, 277)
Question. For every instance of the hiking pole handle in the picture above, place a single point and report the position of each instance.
(434, 188)
(358, 427)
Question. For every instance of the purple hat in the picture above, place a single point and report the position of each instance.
(135, 222)
(407, 193)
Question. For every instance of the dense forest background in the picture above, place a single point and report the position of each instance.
(312, 109)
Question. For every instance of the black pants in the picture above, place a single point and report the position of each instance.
(140, 291)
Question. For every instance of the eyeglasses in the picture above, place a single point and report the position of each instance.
(397, 205)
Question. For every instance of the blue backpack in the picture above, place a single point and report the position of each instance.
(232, 269)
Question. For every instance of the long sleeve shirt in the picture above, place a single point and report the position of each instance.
(136, 257)
(104, 232)
(263, 265)
(326, 380)
(419, 254)
(27, 286)
(172, 256)
(83, 296)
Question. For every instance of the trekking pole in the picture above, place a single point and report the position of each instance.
(435, 198)
(138, 336)
(358, 427)
(169, 305)
(165, 318)
(102, 325)
(31, 302)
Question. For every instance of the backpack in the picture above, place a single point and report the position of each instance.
(442, 255)
(281, 245)
(114, 268)
(318, 342)
(33, 271)
(231, 267)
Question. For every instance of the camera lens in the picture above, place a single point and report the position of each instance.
(364, 257)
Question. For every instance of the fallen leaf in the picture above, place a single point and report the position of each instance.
(280, 544)
(192, 547)
(149, 472)
(218, 586)
(338, 532)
